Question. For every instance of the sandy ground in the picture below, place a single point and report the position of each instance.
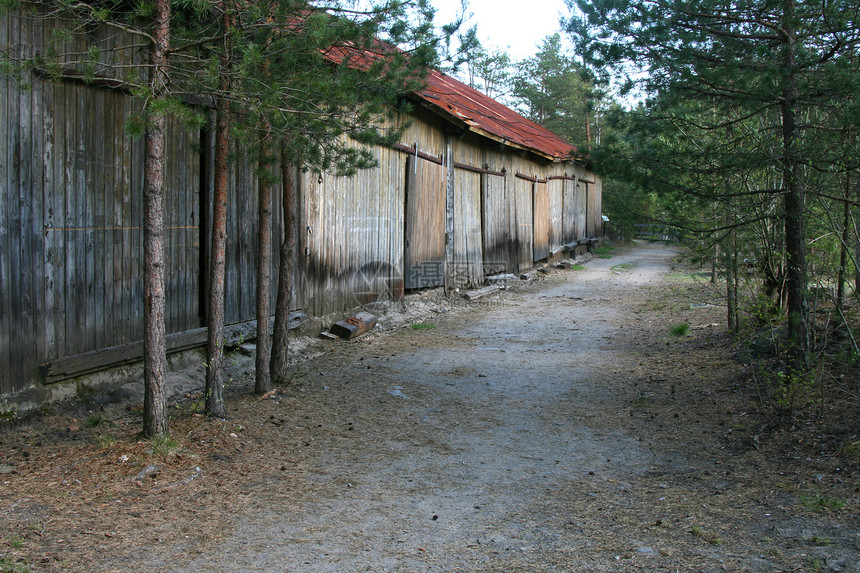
(556, 426)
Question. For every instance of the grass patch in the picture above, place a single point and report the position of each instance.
(164, 445)
(423, 326)
(9, 566)
(104, 441)
(708, 536)
(850, 451)
(680, 329)
(623, 267)
(819, 502)
(820, 541)
(642, 403)
(577, 267)
(603, 249)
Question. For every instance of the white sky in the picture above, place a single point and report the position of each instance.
(520, 24)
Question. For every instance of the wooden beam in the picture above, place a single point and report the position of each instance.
(89, 362)
(449, 218)
(354, 326)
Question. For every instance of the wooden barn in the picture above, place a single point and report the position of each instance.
(473, 189)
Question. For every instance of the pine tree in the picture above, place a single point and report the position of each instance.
(335, 75)
(746, 72)
(555, 91)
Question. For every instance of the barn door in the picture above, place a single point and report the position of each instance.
(495, 224)
(424, 252)
(541, 221)
(569, 220)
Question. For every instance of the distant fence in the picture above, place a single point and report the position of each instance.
(653, 232)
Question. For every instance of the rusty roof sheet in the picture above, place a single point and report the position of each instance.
(485, 116)
(468, 107)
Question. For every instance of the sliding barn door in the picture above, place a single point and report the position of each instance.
(424, 253)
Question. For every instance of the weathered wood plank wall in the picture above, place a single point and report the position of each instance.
(524, 191)
(71, 216)
(595, 213)
(351, 235)
(468, 235)
(70, 221)
(555, 188)
(581, 204)
(7, 204)
(569, 208)
(425, 223)
(541, 220)
(496, 220)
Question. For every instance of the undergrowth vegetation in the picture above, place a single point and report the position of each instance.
(786, 391)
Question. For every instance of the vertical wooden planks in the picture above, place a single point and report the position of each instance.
(19, 171)
(396, 218)
(525, 222)
(541, 221)
(307, 244)
(495, 213)
(71, 219)
(581, 207)
(425, 214)
(569, 208)
(587, 215)
(555, 188)
(41, 169)
(7, 125)
(99, 195)
(468, 243)
(595, 225)
(119, 221)
(136, 223)
(50, 237)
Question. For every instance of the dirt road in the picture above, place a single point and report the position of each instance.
(557, 426)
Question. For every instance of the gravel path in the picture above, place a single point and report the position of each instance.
(555, 426)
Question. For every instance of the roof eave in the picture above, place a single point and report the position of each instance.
(468, 126)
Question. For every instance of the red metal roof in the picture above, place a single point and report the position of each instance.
(485, 116)
(465, 105)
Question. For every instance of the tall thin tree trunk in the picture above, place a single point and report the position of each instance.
(287, 258)
(154, 337)
(218, 251)
(730, 255)
(844, 246)
(263, 380)
(793, 204)
(856, 238)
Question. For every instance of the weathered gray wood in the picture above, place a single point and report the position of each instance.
(481, 292)
(425, 250)
(468, 241)
(541, 222)
(580, 210)
(569, 211)
(495, 214)
(71, 217)
(93, 361)
(6, 125)
(589, 198)
(555, 191)
(595, 213)
(525, 222)
(449, 210)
